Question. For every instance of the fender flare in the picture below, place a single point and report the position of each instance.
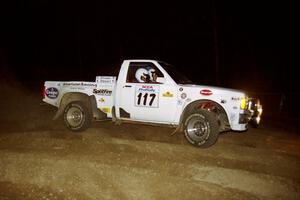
(77, 96)
(196, 105)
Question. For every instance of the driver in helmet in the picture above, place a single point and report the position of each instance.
(153, 75)
(142, 75)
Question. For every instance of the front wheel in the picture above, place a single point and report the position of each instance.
(77, 116)
(201, 128)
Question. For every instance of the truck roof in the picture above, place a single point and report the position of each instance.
(140, 60)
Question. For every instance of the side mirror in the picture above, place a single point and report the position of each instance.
(161, 79)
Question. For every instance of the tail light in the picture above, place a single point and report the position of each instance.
(44, 92)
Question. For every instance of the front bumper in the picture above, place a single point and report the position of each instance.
(245, 117)
(253, 114)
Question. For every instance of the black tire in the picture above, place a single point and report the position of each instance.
(77, 116)
(201, 128)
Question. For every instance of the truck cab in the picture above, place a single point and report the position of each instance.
(146, 101)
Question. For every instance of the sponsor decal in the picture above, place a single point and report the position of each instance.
(80, 84)
(106, 79)
(71, 84)
(52, 93)
(102, 100)
(147, 88)
(206, 92)
(77, 88)
(179, 102)
(183, 95)
(235, 98)
(167, 94)
(105, 109)
(103, 92)
(223, 101)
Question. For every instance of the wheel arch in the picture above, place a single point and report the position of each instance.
(210, 105)
(90, 102)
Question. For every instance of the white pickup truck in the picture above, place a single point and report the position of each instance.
(151, 91)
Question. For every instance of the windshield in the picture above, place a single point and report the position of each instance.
(176, 75)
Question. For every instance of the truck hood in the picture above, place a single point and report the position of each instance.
(207, 90)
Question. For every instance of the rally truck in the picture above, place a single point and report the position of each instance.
(153, 92)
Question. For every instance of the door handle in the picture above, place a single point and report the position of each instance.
(127, 86)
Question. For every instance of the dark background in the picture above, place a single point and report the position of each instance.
(249, 45)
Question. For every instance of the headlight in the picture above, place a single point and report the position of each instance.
(243, 103)
(259, 107)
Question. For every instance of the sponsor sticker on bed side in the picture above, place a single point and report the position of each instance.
(52, 93)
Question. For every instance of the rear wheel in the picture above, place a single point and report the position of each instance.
(201, 128)
(77, 116)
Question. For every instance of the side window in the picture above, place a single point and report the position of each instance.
(143, 72)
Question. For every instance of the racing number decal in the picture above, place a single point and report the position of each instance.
(140, 95)
(146, 96)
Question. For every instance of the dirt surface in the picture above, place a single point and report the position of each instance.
(40, 159)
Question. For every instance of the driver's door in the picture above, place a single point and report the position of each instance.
(145, 101)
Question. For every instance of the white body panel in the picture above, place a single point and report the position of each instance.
(103, 92)
(156, 103)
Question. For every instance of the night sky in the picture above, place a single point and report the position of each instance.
(246, 45)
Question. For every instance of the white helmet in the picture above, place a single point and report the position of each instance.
(150, 72)
(141, 73)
